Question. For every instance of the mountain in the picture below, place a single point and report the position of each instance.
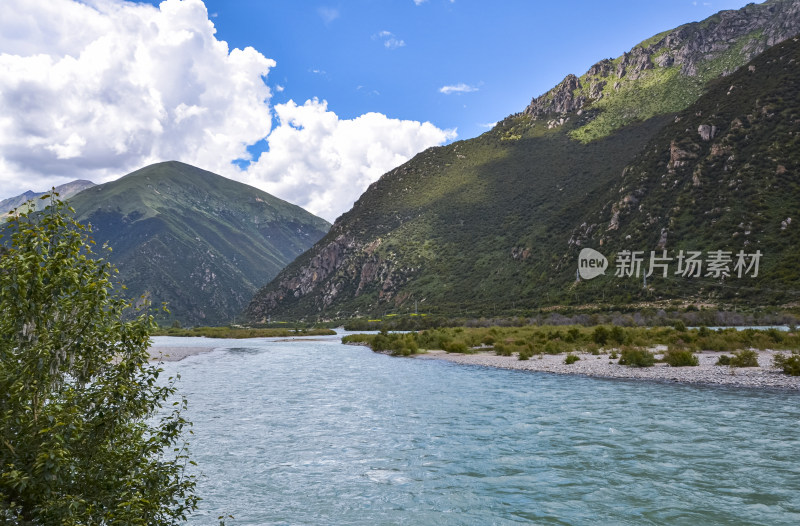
(494, 224)
(196, 240)
(65, 191)
(667, 72)
(723, 175)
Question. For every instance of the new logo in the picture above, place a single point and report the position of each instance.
(591, 263)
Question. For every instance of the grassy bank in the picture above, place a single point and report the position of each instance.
(630, 342)
(241, 332)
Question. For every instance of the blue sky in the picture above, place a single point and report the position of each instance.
(309, 100)
(506, 51)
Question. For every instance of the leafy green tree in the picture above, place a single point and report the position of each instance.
(87, 435)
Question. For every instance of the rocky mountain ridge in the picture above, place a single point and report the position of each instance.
(684, 59)
(65, 191)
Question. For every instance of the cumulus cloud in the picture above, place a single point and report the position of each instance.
(389, 40)
(319, 161)
(457, 88)
(94, 89)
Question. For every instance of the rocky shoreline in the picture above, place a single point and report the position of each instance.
(766, 376)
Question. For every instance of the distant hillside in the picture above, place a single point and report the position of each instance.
(494, 224)
(65, 191)
(194, 239)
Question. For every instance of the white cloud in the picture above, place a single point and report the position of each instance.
(420, 2)
(457, 88)
(389, 40)
(323, 163)
(94, 89)
(328, 14)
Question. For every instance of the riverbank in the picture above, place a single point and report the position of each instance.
(766, 376)
(174, 354)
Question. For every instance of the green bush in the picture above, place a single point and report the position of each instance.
(600, 335)
(637, 357)
(571, 358)
(525, 353)
(617, 334)
(456, 347)
(680, 358)
(87, 432)
(501, 349)
(789, 364)
(724, 360)
(744, 358)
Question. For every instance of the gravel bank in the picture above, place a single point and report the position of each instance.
(174, 354)
(764, 376)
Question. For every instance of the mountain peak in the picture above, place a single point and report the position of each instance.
(199, 241)
(668, 71)
(65, 191)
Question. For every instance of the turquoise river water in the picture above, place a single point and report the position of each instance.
(315, 432)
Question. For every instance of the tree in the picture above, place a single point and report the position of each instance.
(87, 435)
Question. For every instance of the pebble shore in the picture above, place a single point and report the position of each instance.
(707, 373)
(174, 354)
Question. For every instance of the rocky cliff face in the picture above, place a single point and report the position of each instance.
(341, 268)
(730, 37)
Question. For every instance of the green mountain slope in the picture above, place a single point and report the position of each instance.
(65, 191)
(196, 240)
(494, 224)
(724, 175)
(667, 72)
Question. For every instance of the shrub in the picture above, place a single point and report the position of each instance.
(85, 437)
(637, 358)
(775, 335)
(680, 358)
(573, 334)
(617, 334)
(571, 358)
(456, 347)
(744, 358)
(789, 364)
(525, 353)
(600, 335)
(501, 349)
(724, 360)
(552, 347)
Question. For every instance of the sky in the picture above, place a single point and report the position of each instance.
(311, 101)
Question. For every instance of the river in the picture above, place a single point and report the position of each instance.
(316, 432)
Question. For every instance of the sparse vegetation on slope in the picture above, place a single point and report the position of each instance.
(195, 240)
(494, 225)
